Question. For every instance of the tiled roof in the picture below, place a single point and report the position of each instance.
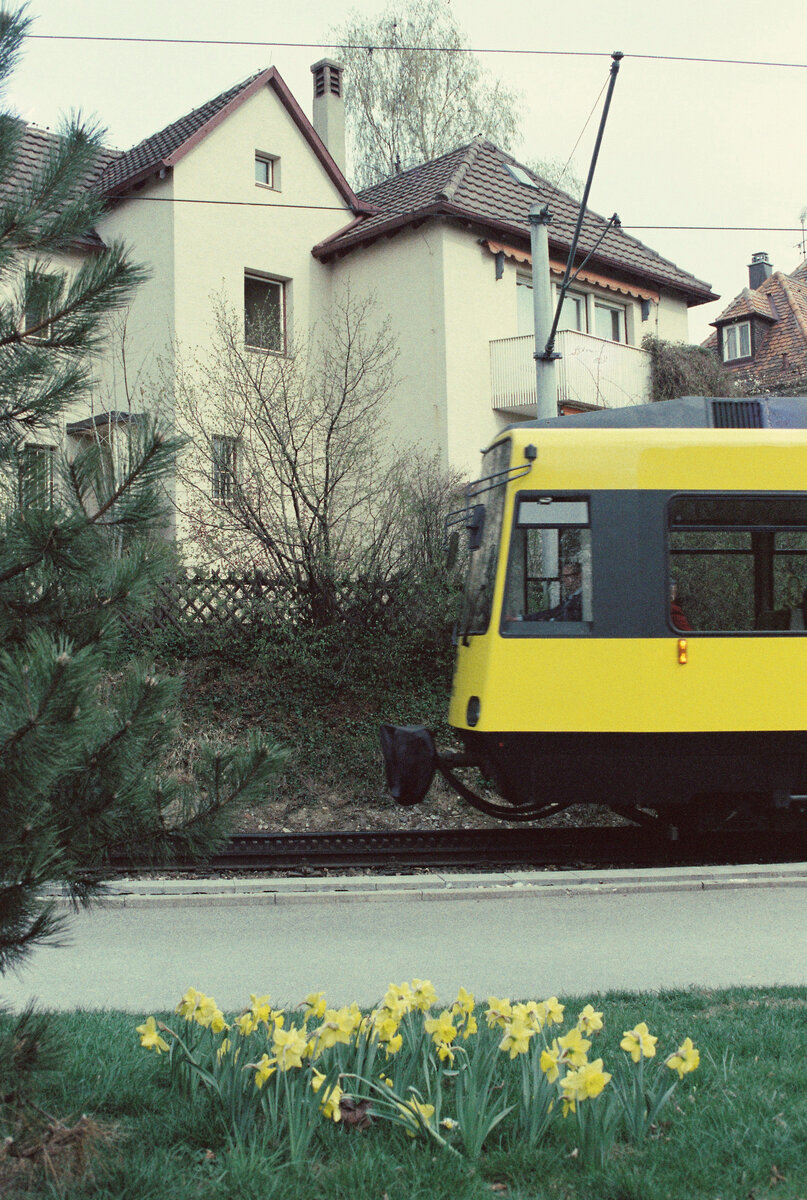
(35, 148)
(780, 351)
(166, 148)
(474, 183)
(156, 151)
(751, 302)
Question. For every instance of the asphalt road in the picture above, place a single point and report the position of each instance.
(562, 939)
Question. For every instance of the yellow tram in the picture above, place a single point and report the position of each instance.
(633, 620)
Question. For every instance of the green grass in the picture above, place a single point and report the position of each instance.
(736, 1129)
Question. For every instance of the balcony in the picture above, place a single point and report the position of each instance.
(591, 371)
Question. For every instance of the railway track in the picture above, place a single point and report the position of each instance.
(481, 849)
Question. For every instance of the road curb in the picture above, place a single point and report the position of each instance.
(269, 891)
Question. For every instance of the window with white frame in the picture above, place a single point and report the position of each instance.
(609, 321)
(267, 170)
(737, 341)
(264, 313)
(36, 476)
(224, 478)
(573, 313)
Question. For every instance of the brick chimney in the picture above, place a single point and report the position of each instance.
(329, 108)
(759, 269)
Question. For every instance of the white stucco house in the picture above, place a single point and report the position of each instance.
(246, 197)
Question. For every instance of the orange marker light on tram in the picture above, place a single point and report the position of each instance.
(682, 651)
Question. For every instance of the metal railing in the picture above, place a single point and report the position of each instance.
(591, 371)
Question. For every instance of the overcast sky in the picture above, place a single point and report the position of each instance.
(687, 144)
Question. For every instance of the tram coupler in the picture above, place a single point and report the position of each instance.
(411, 760)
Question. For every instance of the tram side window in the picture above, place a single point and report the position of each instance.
(549, 572)
(739, 563)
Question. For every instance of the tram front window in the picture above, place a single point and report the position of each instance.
(549, 573)
(739, 562)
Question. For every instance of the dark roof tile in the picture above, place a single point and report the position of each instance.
(473, 182)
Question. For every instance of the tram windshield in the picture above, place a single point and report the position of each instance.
(477, 598)
(738, 563)
(549, 573)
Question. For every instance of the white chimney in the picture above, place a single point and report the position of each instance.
(329, 108)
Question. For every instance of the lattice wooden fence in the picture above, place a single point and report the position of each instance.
(220, 600)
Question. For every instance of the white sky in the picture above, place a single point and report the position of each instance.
(686, 143)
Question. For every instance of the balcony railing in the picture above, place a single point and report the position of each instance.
(590, 371)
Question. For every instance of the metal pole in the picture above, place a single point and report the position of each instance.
(546, 389)
(616, 58)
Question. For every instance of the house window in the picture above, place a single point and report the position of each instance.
(264, 313)
(36, 476)
(609, 322)
(225, 466)
(736, 341)
(39, 301)
(267, 170)
(573, 313)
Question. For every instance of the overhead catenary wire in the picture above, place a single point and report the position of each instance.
(273, 45)
(269, 205)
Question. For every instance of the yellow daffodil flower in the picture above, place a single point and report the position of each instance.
(517, 1034)
(225, 1048)
(441, 1028)
(639, 1042)
(398, 999)
(264, 1068)
(586, 1082)
(245, 1024)
(150, 1038)
(464, 1002)
(393, 1045)
(289, 1046)
(423, 994)
(449, 1123)
(686, 1058)
(337, 1026)
(316, 1005)
(498, 1012)
(444, 1051)
(589, 1021)
(549, 1061)
(189, 1003)
(574, 1047)
(330, 1106)
(210, 1016)
(551, 1011)
(415, 1114)
(469, 1027)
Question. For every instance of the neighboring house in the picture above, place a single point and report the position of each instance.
(449, 254)
(761, 337)
(245, 198)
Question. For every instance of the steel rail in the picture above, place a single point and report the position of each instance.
(589, 847)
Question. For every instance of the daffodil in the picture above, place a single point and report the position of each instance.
(589, 1021)
(330, 1105)
(464, 1002)
(210, 1016)
(517, 1034)
(586, 1082)
(498, 1012)
(552, 1011)
(574, 1047)
(550, 1058)
(686, 1058)
(189, 1003)
(415, 1115)
(470, 1026)
(337, 1026)
(264, 1068)
(423, 994)
(289, 1046)
(316, 1005)
(225, 1048)
(639, 1042)
(394, 1044)
(441, 1028)
(150, 1038)
(398, 999)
